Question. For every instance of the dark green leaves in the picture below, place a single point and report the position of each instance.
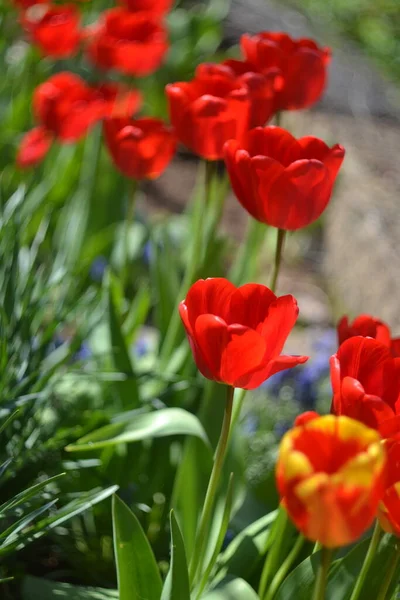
(34, 588)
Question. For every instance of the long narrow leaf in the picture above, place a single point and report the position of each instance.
(137, 571)
(176, 586)
(160, 423)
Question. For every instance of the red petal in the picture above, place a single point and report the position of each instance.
(282, 316)
(33, 148)
(209, 296)
(211, 336)
(243, 354)
(258, 297)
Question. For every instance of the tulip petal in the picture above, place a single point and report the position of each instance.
(371, 364)
(244, 353)
(211, 337)
(259, 297)
(209, 296)
(33, 148)
(282, 316)
(332, 158)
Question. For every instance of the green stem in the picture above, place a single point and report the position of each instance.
(274, 542)
(199, 547)
(278, 119)
(317, 547)
(245, 266)
(197, 226)
(210, 167)
(129, 219)
(284, 568)
(322, 575)
(280, 239)
(220, 540)
(237, 406)
(390, 573)
(373, 546)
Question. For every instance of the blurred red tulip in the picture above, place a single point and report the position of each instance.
(33, 148)
(118, 99)
(262, 90)
(389, 509)
(366, 326)
(156, 7)
(66, 106)
(132, 43)
(281, 181)
(209, 110)
(237, 334)
(140, 148)
(395, 346)
(331, 477)
(365, 381)
(302, 64)
(54, 29)
(24, 4)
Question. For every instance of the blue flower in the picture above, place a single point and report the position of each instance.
(97, 268)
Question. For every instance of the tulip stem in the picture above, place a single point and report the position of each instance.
(200, 543)
(197, 226)
(274, 543)
(322, 575)
(390, 573)
(129, 219)
(280, 239)
(372, 548)
(284, 568)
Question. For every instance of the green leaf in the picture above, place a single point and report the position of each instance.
(137, 571)
(128, 390)
(11, 532)
(233, 589)
(161, 423)
(34, 588)
(343, 574)
(246, 549)
(73, 508)
(190, 487)
(8, 420)
(176, 586)
(27, 494)
(221, 534)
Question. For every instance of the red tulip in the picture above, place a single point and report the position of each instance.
(389, 509)
(237, 334)
(281, 181)
(33, 148)
(331, 477)
(302, 64)
(209, 110)
(140, 148)
(365, 381)
(66, 106)
(262, 89)
(132, 43)
(156, 7)
(366, 326)
(55, 29)
(117, 99)
(24, 4)
(395, 346)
